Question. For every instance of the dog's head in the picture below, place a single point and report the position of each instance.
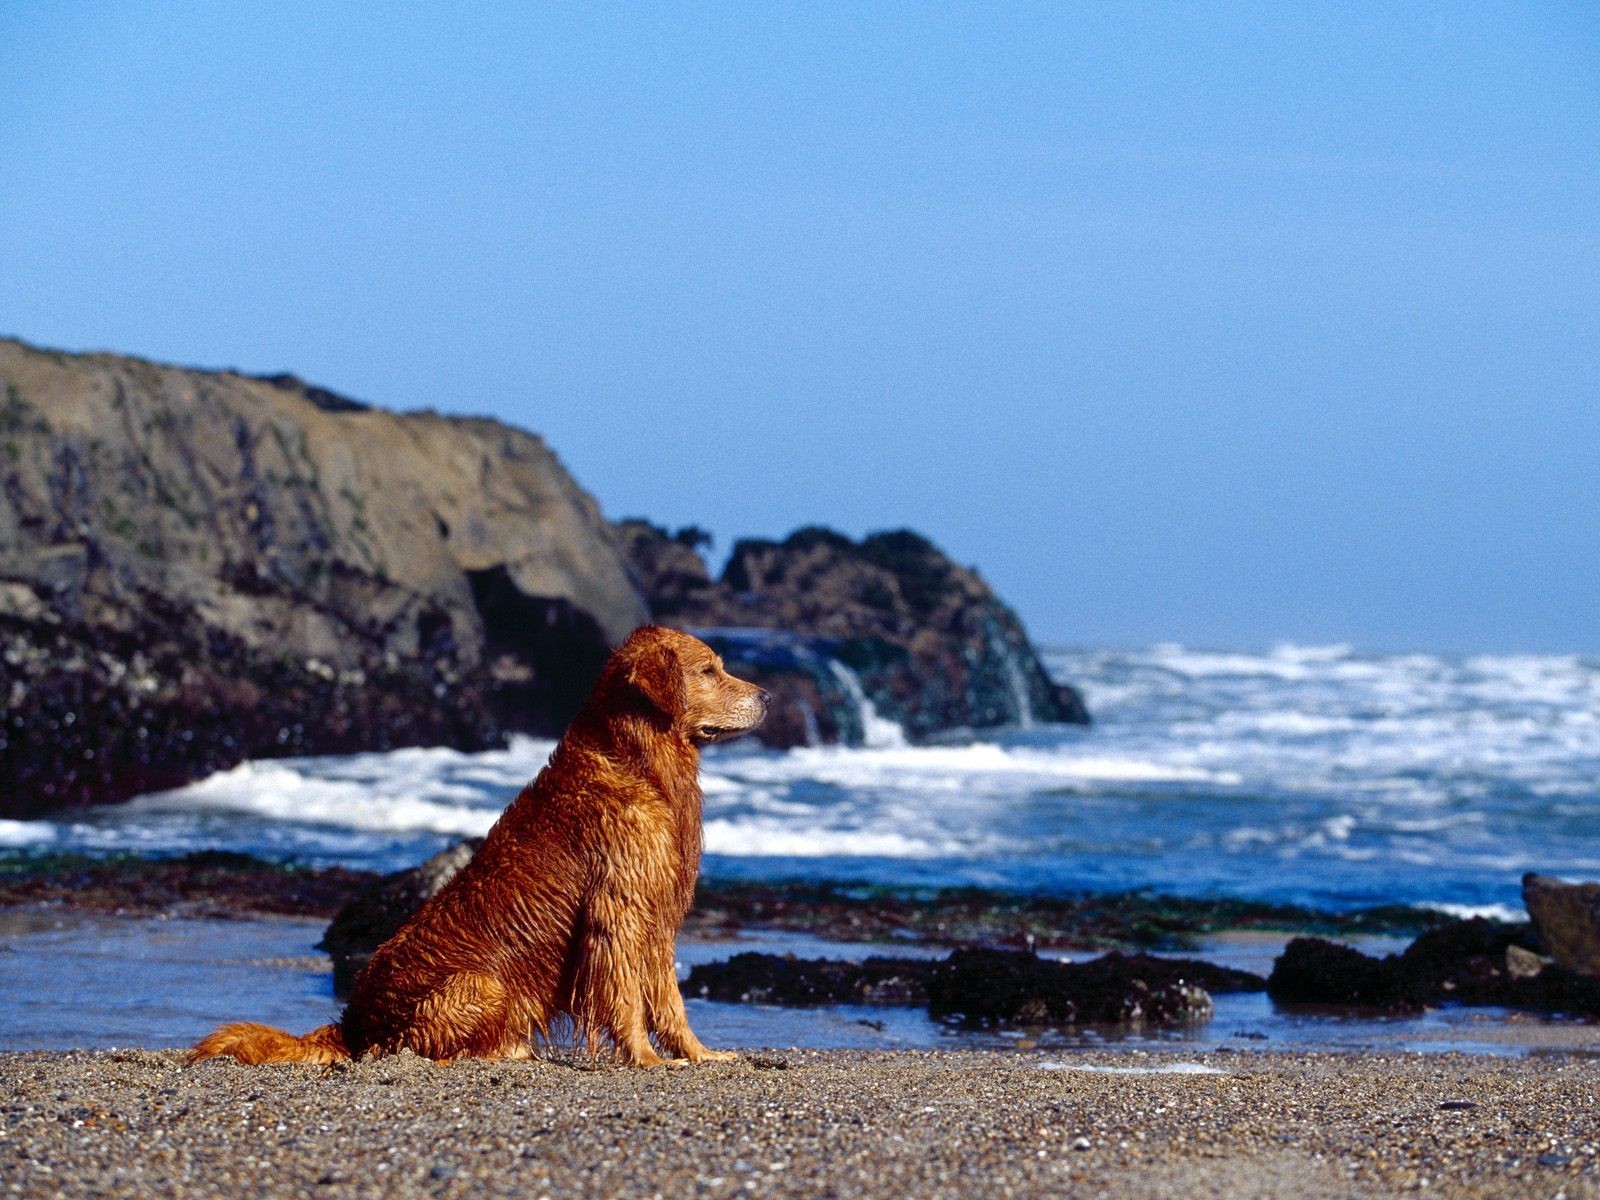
(684, 680)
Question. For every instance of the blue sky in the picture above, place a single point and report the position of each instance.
(1217, 323)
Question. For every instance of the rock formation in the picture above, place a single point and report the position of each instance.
(198, 566)
(981, 986)
(1011, 987)
(1476, 962)
(756, 978)
(890, 620)
(1566, 917)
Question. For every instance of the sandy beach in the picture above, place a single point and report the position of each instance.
(806, 1123)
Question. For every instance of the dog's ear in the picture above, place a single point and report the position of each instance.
(657, 674)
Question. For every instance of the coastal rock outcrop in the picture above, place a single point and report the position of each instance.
(984, 986)
(1474, 962)
(1567, 919)
(1016, 987)
(845, 634)
(1316, 972)
(755, 978)
(199, 566)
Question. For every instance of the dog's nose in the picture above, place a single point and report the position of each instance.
(766, 696)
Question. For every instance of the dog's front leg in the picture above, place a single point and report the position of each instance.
(668, 1019)
(609, 994)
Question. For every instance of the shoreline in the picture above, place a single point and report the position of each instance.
(222, 884)
(145, 951)
(806, 1123)
(93, 981)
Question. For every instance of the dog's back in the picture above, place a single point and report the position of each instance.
(496, 937)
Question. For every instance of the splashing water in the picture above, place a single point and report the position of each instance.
(877, 731)
(1309, 774)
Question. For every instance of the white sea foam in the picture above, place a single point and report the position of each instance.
(1306, 773)
(759, 839)
(1284, 662)
(1465, 912)
(26, 833)
(406, 800)
(1291, 723)
(414, 790)
(947, 767)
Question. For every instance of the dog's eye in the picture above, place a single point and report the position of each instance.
(709, 671)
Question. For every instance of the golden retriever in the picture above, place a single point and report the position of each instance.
(572, 905)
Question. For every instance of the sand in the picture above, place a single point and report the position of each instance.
(804, 1123)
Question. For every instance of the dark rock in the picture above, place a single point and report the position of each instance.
(1070, 707)
(202, 884)
(753, 978)
(1314, 971)
(1555, 990)
(543, 653)
(377, 914)
(931, 645)
(95, 713)
(1465, 962)
(1005, 987)
(982, 987)
(1215, 979)
(1567, 919)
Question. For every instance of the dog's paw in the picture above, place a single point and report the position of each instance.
(716, 1056)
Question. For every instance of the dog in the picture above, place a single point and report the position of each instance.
(571, 907)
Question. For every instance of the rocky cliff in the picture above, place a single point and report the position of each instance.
(199, 566)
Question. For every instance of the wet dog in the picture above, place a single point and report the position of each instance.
(571, 907)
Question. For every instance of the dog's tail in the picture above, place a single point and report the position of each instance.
(252, 1043)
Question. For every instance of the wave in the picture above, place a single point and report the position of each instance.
(281, 793)
(951, 766)
(1505, 913)
(26, 833)
(1283, 662)
(754, 839)
(1315, 774)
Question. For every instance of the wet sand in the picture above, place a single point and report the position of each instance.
(807, 1123)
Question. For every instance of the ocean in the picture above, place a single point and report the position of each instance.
(1315, 775)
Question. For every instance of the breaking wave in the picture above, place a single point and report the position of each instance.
(1313, 774)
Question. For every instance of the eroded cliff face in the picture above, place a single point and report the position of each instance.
(197, 567)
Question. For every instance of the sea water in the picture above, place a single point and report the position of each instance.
(78, 980)
(1317, 775)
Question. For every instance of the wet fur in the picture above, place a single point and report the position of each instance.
(571, 907)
